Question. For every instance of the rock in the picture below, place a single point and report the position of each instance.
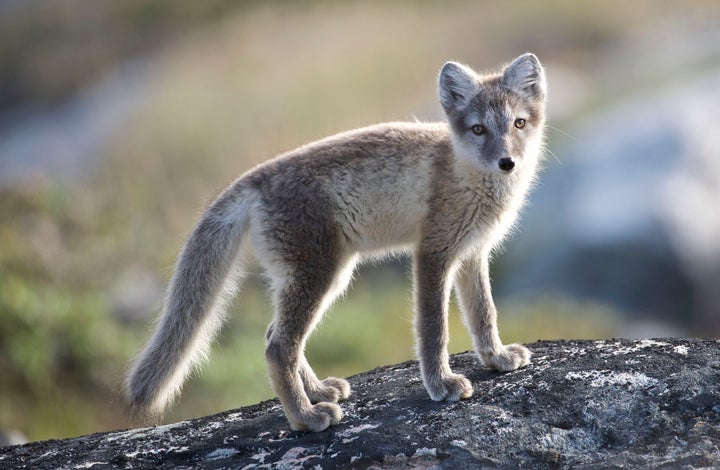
(596, 404)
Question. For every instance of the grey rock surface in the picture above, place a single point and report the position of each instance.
(586, 404)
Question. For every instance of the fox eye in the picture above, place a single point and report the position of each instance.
(519, 123)
(478, 129)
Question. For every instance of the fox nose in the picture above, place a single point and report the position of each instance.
(506, 164)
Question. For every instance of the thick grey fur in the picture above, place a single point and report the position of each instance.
(435, 190)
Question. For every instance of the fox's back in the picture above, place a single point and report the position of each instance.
(373, 183)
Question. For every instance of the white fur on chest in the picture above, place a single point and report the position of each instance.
(499, 200)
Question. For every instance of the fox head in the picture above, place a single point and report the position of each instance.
(496, 120)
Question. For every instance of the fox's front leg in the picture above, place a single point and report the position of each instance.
(432, 293)
(476, 303)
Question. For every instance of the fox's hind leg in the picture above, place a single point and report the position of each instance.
(331, 389)
(299, 304)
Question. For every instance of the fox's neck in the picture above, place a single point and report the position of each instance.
(495, 185)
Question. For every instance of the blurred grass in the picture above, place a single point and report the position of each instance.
(228, 88)
(52, 49)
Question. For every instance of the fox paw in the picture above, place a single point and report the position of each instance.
(331, 389)
(451, 388)
(511, 357)
(317, 418)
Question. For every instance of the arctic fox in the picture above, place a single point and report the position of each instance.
(445, 192)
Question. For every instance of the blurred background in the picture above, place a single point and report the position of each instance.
(121, 120)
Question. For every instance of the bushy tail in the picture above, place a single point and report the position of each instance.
(205, 277)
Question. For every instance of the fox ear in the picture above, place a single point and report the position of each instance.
(526, 76)
(457, 84)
